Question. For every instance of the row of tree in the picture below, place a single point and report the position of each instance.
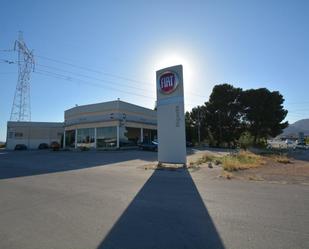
(232, 115)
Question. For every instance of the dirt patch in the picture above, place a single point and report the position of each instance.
(295, 172)
(277, 168)
(160, 166)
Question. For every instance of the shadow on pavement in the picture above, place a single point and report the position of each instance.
(168, 212)
(27, 163)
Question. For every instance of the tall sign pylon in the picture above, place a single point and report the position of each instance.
(21, 108)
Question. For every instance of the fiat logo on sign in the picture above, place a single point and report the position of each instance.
(168, 82)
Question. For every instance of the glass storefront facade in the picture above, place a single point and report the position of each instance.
(107, 137)
(149, 135)
(85, 137)
(129, 136)
(70, 138)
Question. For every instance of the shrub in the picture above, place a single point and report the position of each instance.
(282, 159)
(246, 140)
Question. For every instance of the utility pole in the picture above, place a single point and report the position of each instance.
(199, 121)
(21, 108)
(199, 126)
(220, 125)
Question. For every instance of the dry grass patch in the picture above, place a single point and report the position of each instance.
(255, 178)
(161, 166)
(241, 160)
(205, 159)
(278, 157)
(282, 159)
(169, 166)
(233, 161)
(227, 175)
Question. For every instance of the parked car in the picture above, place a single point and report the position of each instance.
(55, 146)
(288, 141)
(20, 147)
(153, 146)
(43, 146)
(301, 146)
(126, 143)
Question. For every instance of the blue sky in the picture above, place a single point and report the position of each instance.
(95, 51)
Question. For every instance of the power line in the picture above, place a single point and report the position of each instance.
(65, 77)
(79, 81)
(92, 78)
(76, 80)
(111, 75)
(106, 73)
(116, 75)
(98, 72)
(99, 79)
(90, 69)
(6, 50)
(7, 72)
(7, 61)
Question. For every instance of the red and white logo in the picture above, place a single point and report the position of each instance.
(168, 82)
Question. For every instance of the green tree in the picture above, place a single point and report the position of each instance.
(190, 136)
(195, 125)
(263, 113)
(245, 140)
(222, 114)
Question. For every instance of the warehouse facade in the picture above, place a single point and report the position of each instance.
(32, 134)
(107, 125)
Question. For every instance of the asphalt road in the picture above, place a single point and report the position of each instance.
(75, 200)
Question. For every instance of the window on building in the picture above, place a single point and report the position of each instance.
(18, 134)
(11, 135)
(106, 137)
(149, 135)
(70, 138)
(129, 136)
(85, 137)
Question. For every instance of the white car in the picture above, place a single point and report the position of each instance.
(301, 146)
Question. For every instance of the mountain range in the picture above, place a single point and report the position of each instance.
(299, 126)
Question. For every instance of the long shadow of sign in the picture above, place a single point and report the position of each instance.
(29, 163)
(168, 212)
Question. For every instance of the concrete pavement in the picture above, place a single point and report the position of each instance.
(107, 200)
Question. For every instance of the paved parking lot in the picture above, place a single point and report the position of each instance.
(91, 199)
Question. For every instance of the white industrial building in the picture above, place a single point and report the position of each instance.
(32, 134)
(108, 125)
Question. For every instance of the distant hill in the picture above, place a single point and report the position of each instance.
(299, 126)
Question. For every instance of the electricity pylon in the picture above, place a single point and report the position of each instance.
(21, 108)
